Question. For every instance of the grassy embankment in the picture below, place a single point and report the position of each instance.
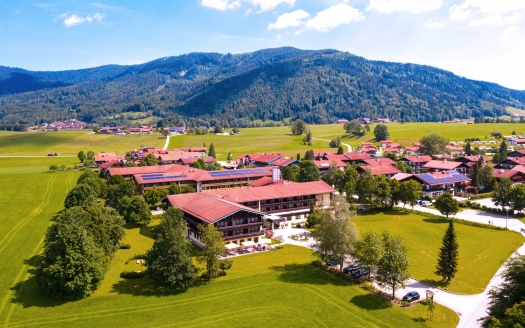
(481, 251)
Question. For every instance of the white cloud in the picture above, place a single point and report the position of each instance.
(432, 24)
(289, 19)
(511, 34)
(75, 20)
(334, 16)
(496, 20)
(413, 6)
(266, 5)
(278, 36)
(299, 31)
(249, 11)
(488, 12)
(221, 4)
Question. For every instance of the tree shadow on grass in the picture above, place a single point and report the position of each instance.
(370, 302)
(436, 221)
(28, 294)
(146, 231)
(146, 287)
(306, 274)
(419, 319)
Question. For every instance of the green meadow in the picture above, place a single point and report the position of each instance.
(279, 288)
(481, 251)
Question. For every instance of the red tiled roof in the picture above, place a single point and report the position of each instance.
(176, 155)
(442, 165)
(333, 156)
(380, 161)
(475, 158)
(517, 160)
(282, 190)
(326, 164)
(146, 169)
(108, 158)
(206, 207)
(357, 156)
(267, 158)
(500, 173)
(261, 182)
(418, 159)
(108, 164)
(283, 161)
(402, 176)
(380, 169)
(392, 150)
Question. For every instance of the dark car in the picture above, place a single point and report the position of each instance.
(359, 273)
(332, 262)
(411, 297)
(351, 268)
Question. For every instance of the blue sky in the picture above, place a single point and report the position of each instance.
(478, 39)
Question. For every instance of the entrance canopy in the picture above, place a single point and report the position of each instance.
(274, 218)
(231, 245)
(248, 243)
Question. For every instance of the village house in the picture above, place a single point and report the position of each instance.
(379, 169)
(516, 176)
(436, 183)
(416, 162)
(440, 166)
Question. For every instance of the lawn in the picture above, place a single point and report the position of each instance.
(481, 251)
(252, 140)
(271, 289)
(69, 143)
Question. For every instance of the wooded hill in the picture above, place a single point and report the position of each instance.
(317, 86)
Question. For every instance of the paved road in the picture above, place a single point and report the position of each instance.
(470, 308)
(349, 148)
(167, 142)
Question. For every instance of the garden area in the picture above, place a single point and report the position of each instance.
(481, 250)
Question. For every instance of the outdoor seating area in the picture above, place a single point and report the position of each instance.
(248, 247)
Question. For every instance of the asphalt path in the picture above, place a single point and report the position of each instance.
(469, 308)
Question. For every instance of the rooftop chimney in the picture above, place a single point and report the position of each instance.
(276, 174)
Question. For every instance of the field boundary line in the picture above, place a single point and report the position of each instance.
(11, 234)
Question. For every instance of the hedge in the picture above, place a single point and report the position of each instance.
(133, 274)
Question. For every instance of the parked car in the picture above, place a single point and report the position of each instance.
(359, 273)
(411, 296)
(332, 262)
(351, 268)
(424, 203)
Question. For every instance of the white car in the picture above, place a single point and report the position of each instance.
(425, 203)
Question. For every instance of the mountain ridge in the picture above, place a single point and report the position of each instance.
(318, 86)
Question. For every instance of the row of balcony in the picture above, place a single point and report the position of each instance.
(251, 224)
(244, 235)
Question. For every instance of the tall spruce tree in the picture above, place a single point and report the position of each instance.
(447, 265)
(211, 151)
(468, 149)
(475, 172)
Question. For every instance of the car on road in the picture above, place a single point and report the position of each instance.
(332, 262)
(411, 296)
(351, 268)
(359, 273)
(424, 203)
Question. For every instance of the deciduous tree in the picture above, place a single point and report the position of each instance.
(409, 192)
(381, 132)
(80, 195)
(446, 204)
(298, 127)
(392, 270)
(433, 144)
(81, 156)
(308, 172)
(213, 248)
(370, 250)
(169, 260)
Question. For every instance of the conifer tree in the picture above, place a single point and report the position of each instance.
(340, 150)
(447, 265)
(211, 151)
(468, 149)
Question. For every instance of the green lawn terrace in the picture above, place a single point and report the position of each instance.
(482, 251)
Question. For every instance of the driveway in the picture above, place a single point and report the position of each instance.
(470, 308)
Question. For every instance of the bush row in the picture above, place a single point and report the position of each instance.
(133, 274)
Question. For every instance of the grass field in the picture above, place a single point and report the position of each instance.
(254, 140)
(481, 251)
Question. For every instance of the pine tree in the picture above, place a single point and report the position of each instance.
(468, 149)
(340, 150)
(447, 265)
(211, 151)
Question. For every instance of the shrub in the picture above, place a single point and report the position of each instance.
(369, 287)
(462, 204)
(484, 207)
(133, 274)
(125, 246)
(468, 203)
(317, 263)
(405, 303)
(137, 257)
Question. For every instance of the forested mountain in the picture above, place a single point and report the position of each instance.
(317, 86)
